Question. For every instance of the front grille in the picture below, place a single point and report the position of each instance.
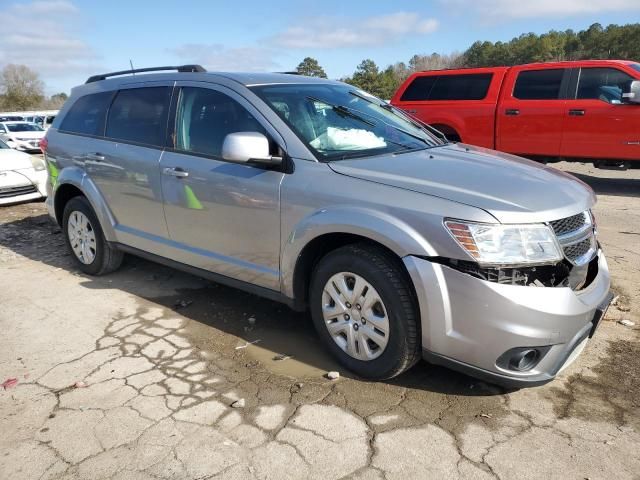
(577, 250)
(569, 224)
(7, 192)
(576, 236)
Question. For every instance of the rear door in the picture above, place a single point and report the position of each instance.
(222, 216)
(531, 112)
(125, 166)
(597, 122)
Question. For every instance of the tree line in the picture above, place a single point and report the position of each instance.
(596, 42)
(22, 89)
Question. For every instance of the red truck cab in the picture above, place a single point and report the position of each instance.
(580, 110)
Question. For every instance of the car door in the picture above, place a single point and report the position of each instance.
(223, 217)
(531, 113)
(125, 166)
(598, 124)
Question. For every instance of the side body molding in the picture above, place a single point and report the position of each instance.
(377, 226)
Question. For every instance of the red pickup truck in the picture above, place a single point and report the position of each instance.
(585, 110)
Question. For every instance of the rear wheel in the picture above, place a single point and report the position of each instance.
(84, 238)
(364, 311)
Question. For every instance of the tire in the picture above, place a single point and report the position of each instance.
(384, 273)
(105, 258)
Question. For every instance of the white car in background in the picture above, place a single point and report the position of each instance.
(23, 177)
(24, 136)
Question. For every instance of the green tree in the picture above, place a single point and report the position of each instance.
(310, 68)
(20, 88)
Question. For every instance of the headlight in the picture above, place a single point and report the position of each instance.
(38, 164)
(498, 244)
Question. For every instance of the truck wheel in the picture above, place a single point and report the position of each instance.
(364, 311)
(83, 235)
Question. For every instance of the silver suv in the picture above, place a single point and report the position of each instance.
(316, 194)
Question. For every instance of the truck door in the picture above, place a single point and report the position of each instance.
(531, 111)
(597, 122)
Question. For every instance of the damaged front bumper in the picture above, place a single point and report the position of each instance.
(474, 325)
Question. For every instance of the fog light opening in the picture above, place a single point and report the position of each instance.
(524, 360)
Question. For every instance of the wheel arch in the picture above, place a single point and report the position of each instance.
(73, 182)
(326, 231)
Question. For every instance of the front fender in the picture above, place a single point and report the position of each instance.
(396, 235)
(78, 178)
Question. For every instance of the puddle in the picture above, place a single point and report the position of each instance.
(223, 324)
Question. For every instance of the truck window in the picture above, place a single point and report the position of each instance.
(606, 84)
(538, 84)
(86, 116)
(448, 87)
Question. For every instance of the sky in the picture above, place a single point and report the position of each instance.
(66, 41)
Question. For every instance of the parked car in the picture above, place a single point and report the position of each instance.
(586, 110)
(22, 177)
(44, 121)
(321, 196)
(23, 136)
(10, 118)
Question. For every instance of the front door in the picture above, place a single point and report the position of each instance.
(223, 217)
(529, 118)
(597, 122)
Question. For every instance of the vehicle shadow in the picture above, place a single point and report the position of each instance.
(278, 330)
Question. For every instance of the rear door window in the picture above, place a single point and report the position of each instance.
(86, 116)
(139, 115)
(606, 84)
(448, 87)
(539, 84)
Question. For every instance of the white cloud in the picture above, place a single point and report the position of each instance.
(332, 32)
(217, 57)
(41, 35)
(508, 9)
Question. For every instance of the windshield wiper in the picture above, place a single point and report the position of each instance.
(344, 111)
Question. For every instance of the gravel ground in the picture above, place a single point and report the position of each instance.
(138, 375)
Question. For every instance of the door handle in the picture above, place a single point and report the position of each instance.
(95, 157)
(512, 111)
(175, 172)
(411, 112)
(576, 113)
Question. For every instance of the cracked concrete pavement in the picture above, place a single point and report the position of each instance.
(133, 376)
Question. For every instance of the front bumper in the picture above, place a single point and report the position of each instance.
(17, 186)
(468, 323)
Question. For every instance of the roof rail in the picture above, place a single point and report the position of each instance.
(290, 73)
(179, 68)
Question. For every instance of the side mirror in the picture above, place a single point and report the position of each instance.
(634, 93)
(248, 147)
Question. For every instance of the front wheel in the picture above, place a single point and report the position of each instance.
(364, 311)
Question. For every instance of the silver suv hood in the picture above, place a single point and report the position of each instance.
(512, 189)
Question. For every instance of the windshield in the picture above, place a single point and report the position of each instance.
(339, 121)
(24, 127)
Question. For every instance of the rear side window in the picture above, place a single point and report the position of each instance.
(539, 84)
(449, 87)
(606, 84)
(139, 115)
(86, 116)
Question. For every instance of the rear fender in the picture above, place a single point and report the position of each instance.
(78, 178)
